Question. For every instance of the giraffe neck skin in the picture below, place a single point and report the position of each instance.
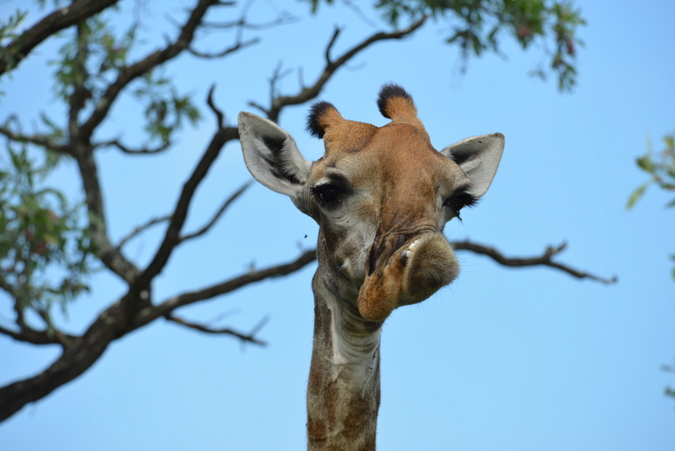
(343, 396)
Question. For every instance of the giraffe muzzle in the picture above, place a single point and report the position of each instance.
(412, 273)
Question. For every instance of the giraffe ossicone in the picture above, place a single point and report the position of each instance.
(381, 197)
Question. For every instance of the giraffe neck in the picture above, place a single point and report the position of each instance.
(343, 396)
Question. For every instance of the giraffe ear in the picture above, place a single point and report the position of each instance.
(272, 156)
(479, 158)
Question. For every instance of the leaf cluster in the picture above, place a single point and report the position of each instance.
(477, 26)
(44, 250)
(661, 168)
(165, 108)
(9, 32)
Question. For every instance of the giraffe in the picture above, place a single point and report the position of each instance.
(381, 197)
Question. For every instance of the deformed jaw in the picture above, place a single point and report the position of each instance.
(430, 265)
(413, 273)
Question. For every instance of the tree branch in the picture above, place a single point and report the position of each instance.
(128, 150)
(249, 337)
(284, 18)
(220, 117)
(542, 260)
(165, 308)
(141, 228)
(308, 93)
(77, 357)
(81, 93)
(218, 214)
(179, 215)
(38, 337)
(139, 68)
(110, 255)
(227, 51)
(81, 135)
(17, 50)
(37, 139)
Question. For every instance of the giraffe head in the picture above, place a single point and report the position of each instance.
(381, 196)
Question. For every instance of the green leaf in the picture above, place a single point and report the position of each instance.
(635, 196)
(646, 163)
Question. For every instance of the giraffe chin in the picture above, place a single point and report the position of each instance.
(412, 274)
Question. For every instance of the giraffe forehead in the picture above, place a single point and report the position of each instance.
(393, 153)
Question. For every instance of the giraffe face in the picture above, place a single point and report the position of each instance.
(381, 197)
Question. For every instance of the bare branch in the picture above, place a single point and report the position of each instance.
(542, 260)
(219, 213)
(37, 139)
(360, 14)
(81, 93)
(330, 45)
(110, 255)
(14, 52)
(38, 337)
(227, 51)
(220, 117)
(25, 332)
(126, 149)
(141, 228)
(308, 93)
(284, 18)
(77, 357)
(249, 337)
(172, 236)
(151, 313)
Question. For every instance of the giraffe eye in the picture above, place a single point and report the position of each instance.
(328, 194)
(458, 201)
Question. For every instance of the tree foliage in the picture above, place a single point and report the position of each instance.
(660, 166)
(50, 243)
(480, 25)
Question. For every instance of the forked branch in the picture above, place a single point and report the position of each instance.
(308, 93)
(39, 140)
(546, 259)
(137, 151)
(58, 20)
(219, 213)
(249, 337)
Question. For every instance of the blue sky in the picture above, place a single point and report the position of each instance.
(503, 359)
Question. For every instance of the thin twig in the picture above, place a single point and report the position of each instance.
(218, 214)
(227, 51)
(249, 337)
(311, 92)
(330, 45)
(179, 215)
(49, 25)
(141, 228)
(220, 117)
(38, 337)
(284, 18)
(151, 313)
(37, 139)
(129, 150)
(541, 260)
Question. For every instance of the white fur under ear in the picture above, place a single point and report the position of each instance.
(479, 158)
(271, 155)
